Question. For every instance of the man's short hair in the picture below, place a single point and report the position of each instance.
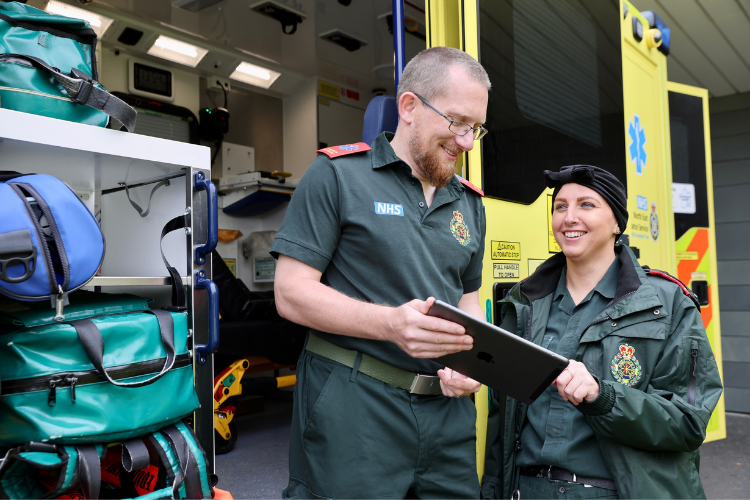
(427, 73)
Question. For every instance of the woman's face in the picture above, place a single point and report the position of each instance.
(583, 222)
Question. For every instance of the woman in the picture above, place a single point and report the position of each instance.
(627, 416)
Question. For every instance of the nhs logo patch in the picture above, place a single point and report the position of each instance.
(382, 208)
(642, 203)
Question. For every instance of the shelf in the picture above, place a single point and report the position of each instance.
(136, 281)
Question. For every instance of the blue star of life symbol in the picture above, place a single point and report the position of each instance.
(349, 147)
(637, 144)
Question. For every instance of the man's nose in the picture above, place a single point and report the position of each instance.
(465, 142)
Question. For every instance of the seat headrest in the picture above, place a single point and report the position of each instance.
(381, 116)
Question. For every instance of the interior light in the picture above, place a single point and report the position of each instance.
(98, 22)
(177, 51)
(255, 75)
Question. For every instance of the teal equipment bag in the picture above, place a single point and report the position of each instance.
(168, 463)
(114, 369)
(48, 68)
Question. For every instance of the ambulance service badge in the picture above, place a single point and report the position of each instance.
(625, 367)
(459, 229)
(654, 222)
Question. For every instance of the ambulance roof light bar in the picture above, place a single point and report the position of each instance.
(177, 51)
(98, 22)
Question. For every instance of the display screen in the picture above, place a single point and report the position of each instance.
(154, 80)
(556, 72)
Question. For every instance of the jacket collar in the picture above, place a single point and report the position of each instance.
(544, 280)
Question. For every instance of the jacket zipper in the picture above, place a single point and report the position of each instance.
(691, 380)
(51, 383)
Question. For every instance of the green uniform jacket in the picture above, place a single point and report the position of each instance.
(649, 427)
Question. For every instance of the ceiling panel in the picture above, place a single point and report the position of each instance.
(733, 22)
(682, 48)
(703, 32)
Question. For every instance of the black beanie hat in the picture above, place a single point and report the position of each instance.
(598, 179)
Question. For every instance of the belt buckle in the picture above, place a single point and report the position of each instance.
(422, 384)
(549, 473)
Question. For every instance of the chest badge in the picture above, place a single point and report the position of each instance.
(459, 229)
(625, 367)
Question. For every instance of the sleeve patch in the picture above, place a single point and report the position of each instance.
(346, 149)
(470, 185)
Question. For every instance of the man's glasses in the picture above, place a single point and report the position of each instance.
(458, 127)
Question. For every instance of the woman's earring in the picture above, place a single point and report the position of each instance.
(617, 230)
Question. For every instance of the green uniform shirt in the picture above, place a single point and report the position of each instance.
(362, 220)
(556, 433)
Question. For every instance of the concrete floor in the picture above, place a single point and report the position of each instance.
(257, 468)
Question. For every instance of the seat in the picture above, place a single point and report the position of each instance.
(381, 116)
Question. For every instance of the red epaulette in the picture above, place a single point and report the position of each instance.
(346, 149)
(669, 277)
(470, 185)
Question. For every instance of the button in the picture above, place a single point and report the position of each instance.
(614, 323)
(412, 183)
(656, 312)
(421, 205)
(561, 490)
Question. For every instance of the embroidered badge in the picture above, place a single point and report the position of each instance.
(625, 367)
(459, 229)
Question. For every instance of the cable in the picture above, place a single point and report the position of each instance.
(225, 95)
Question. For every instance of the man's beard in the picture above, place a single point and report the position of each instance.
(437, 169)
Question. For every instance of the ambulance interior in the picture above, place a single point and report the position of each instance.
(264, 84)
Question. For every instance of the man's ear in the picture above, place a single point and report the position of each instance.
(407, 104)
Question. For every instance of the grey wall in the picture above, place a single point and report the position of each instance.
(730, 146)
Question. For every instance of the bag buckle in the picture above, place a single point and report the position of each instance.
(84, 88)
(425, 384)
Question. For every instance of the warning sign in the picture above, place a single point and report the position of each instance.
(686, 255)
(553, 246)
(506, 250)
(504, 270)
(328, 90)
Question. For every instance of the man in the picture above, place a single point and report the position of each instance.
(370, 239)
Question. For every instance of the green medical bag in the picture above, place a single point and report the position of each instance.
(113, 369)
(48, 68)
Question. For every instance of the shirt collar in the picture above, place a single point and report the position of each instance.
(607, 286)
(384, 155)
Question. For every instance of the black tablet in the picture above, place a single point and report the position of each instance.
(500, 359)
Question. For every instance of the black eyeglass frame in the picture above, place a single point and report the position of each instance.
(479, 131)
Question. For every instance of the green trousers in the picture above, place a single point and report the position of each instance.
(540, 488)
(353, 436)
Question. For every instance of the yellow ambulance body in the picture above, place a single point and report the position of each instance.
(533, 53)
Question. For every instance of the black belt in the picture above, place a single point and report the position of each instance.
(558, 474)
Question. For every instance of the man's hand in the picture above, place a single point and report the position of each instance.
(455, 385)
(422, 336)
(575, 384)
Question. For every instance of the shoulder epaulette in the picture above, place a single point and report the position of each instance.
(687, 291)
(470, 185)
(346, 149)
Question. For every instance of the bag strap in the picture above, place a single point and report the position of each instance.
(134, 455)
(82, 89)
(93, 344)
(188, 462)
(178, 292)
(89, 469)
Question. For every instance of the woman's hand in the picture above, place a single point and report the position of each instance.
(575, 384)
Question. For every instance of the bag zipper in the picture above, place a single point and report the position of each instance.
(40, 238)
(40, 94)
(73, 379)
(692, 379)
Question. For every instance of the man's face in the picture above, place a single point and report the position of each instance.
(434, 148)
